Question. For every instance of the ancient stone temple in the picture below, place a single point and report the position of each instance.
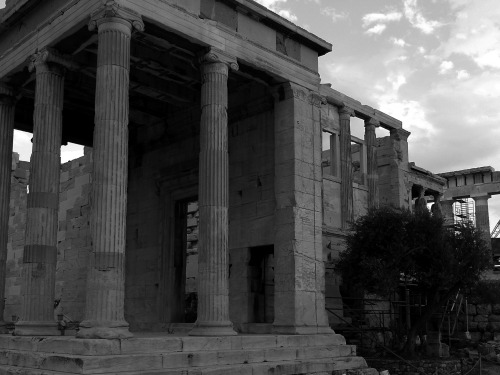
(210, 103)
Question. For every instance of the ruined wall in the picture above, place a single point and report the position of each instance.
(15, 246)
(393, 169)
(74, 240)
(73, 236)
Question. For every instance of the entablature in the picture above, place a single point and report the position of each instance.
(253, 35)
(364, 112)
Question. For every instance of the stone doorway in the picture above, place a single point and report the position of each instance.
(179, 254)
(262, 283)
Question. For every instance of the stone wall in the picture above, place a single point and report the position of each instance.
(448, 366)
(15, 246)
(73, 236)
(484, 321)
(74, 241)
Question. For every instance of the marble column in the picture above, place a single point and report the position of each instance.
(372, 167)
(104, 311)
(213, 266)
(448, 214)
(40, 250)
(482, 216)
(7, 109)
(346, 172)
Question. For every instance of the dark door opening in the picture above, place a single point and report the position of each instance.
(262, 283)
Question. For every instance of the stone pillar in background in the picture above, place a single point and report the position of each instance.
(482, 216)
(400, 195)
(104, 311)
(40, 250)
(299, 299)
(447, 209)
(436, 207)
(421, 201)
(346, 173)
(372, 172)
(213, 265)
(7, 109)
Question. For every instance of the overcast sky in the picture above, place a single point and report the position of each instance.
(433, 64)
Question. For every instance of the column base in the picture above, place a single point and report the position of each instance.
(99, 330)
(213, 329)
(302, 330)
(3, 327)
(23, 328)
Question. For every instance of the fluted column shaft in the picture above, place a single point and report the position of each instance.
(7, 108)
(482, 217)
(346, 173)
(40, 250)
(213, 275)
(104, 311)
(372, 172)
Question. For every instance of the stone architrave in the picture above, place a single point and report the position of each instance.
(7, 109)
(104, 311)
(346, 172)
(40, 250)
(299, 278)
(213, 266)
(482, 216)
(372, 173)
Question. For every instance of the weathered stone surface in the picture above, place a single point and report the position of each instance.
(7, 108)
(104, 313)
(40, 250)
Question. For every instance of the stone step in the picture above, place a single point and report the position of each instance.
(311, 367)
(169, 360)
(163, 344)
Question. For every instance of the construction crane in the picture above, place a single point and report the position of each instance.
(496, 231)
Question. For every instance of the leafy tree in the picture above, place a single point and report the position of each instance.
(389, 246)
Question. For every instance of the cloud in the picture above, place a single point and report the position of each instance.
(270, 3)
(476, 35)
(285, 13)
(445, 67)
(463, 74)
(333, 14)
(399, 42)
(415, 17)
(377, 29)
(371, 18)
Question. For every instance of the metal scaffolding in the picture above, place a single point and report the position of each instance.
(464, 210)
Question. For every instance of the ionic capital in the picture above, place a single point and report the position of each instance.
(112, 11)
(346, 112)
(372, 123)
(215, 55)
(49, 55)
(317, 100)
(400, 134)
